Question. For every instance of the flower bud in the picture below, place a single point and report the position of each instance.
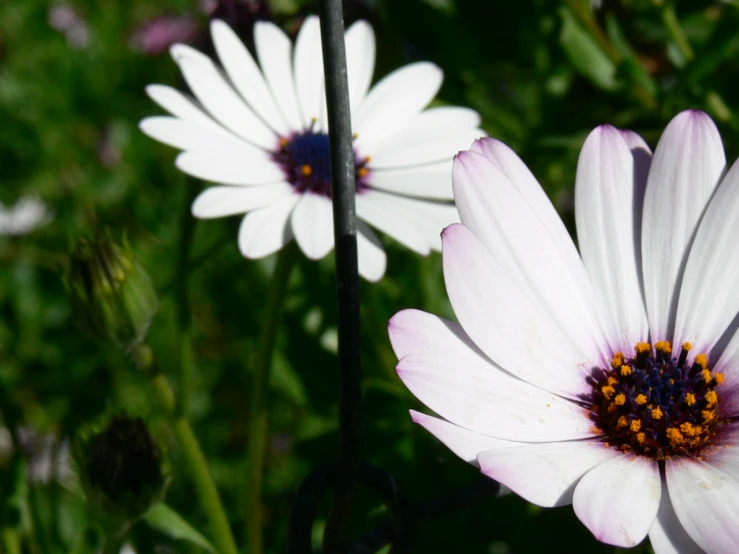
(112, 296)
(122, 468)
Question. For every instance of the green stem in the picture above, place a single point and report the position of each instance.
(675, 31)
(11, 542)
(258, 412)
(206, 488)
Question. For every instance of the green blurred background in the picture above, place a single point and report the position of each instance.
(541, 73)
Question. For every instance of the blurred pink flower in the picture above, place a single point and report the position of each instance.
(64, 19)
(158, 34)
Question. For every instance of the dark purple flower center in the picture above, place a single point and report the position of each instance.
(306, 160)
(654, 404)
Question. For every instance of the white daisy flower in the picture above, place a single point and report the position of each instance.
(260, 130)
(561, 380)
(23, 217)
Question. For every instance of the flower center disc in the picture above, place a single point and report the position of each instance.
(654, 404)
(305, 158)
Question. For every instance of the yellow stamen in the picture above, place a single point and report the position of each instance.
(687, 346)
(675, 437)
(640, 399)
(607, 391)
(363, 172)
(620, 399)
(283, 142)
(622, 421)
(690, 429)
(618, 360)
(612, 380)
(306, 170)
(719, 378)
(657, 413)
(641, 437)
(701, 360)
(690, 399)
(663, 346)
(711, 397)
(643, 347)
(625, 370)
(635, 425)
(708, 415)
(706, 374)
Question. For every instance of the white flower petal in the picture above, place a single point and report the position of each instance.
(308, 70)
(250, 166)
(360, 61)
(667, 535)
(709, 296)
(25, 216)
(706, 501)
(395, 100)
(608, 214)
(212, 90)
(188, 135)
(266, 230)
(503, 322)
(418, 149)
(426, 181)
(312, 221)
(243, 72)
(383, 214)
(500, 216)
(618, 499)
(465, 444)
(728, 391)
(545, 474)
(428, 217)
(372, 259)
(183, 107)
(686, 167)
(415, 332)
(274, 51)
(225, 201)
(441, 132)
(520, 177)
(481, 398)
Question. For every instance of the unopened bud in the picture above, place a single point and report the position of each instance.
(122, 468)
(112, 296)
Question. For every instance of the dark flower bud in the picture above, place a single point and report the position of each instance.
(122, 468)
(112, 296)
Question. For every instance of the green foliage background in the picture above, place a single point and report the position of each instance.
(541, 73)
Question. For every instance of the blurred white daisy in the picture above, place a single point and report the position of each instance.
(23, 217)
(261, 130)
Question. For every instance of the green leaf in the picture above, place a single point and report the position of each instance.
(163, 518)
(585, 54)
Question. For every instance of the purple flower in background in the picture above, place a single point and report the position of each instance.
(561, 380)
(64, 19)
(158, 34)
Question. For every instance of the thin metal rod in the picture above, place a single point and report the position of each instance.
(347, 276)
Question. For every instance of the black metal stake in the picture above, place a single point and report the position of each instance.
(347, 275)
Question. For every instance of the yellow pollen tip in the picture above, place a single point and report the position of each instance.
(708, 415)
(367, 159)
(622, 421)
(701, 360)
(643, 347)
(663, 346)
(355, 136)
(363, 172)
(618, 360)
(612, 380)
(283, 142)
(640, 399)
(620, 399)
(625, 370)
(641, 437)
(719, 378)
(657, 413)
(635, 425)
(711, 397)
(690, 429)
(306, 170)
(690, 399)
(706, 374)
(675, 437)
(687, 346)
(607, 391)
